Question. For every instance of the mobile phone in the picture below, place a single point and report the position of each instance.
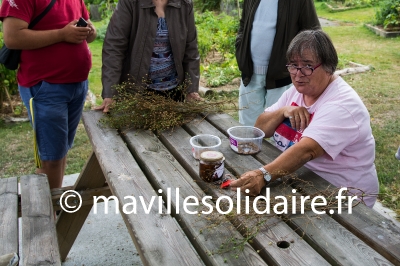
(81, 23)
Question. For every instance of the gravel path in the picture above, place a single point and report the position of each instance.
(327, 23)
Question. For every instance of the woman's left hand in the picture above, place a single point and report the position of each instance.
(105, 106)
(298, 116)
(193, 96)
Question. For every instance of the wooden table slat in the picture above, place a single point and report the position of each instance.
(164, 172)
(374, 229)
(39, 237)
(274, 230)
(334, 242)
(158, 237)
(8, 215)
(152, 168)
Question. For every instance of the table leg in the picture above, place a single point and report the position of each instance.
(70, 224)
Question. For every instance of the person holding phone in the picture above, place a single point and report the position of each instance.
(53, 72)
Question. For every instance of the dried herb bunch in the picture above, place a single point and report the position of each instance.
(138, 107)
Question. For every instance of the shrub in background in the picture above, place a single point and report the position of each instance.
(360, 3)
(105, 7)
(8, 80)
(347, 4)
(217, 36)
(388, 14)
(204, 5)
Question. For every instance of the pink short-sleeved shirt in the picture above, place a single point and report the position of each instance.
(58, 63)
(340, 124)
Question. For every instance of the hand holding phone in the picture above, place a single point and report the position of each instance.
(81, 23)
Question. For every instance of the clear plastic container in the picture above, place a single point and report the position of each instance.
(204, 142)
(245, 139)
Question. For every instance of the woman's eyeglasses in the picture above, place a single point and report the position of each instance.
(305, 70)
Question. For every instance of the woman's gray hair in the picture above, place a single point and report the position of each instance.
(319, 44)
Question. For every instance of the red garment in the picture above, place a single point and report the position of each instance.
(58, 63)
(286, 136)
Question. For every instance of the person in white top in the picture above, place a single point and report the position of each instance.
(320, 122)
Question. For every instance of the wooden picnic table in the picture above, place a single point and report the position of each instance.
(137, 165)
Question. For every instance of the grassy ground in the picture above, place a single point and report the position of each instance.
(16, 149)
(378, 88)
(361, 15)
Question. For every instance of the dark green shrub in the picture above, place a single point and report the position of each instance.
(106, 7)
(345, 4)
(216, 32)
(8, 80)
(360, 3)
(217, 36)
(102, 29)
(388, 14)
(204, 5)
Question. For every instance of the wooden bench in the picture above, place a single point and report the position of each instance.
(39, 245)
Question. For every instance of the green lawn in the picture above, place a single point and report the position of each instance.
(95, 73)
(362, 15)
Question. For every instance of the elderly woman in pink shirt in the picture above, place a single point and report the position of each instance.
(320, 122)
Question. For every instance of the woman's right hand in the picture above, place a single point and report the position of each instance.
(105, 106)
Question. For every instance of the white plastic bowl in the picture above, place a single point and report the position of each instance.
(204, 142)
(245, 139)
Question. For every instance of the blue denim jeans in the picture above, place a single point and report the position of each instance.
(57, 110)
